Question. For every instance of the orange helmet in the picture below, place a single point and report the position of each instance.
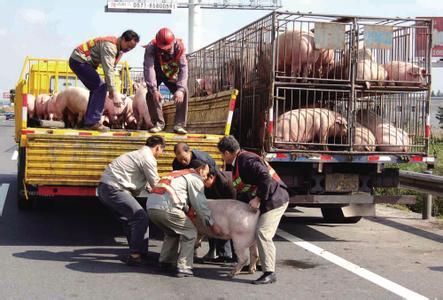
(165, 38)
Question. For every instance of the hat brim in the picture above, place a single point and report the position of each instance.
(165, 47)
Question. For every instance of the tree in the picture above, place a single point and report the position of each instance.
(438, 93)
(432, 93)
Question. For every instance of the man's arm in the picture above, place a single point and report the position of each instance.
(182, 80)
(150, 171)
(108, 53)
(197, 198)
(148, 69)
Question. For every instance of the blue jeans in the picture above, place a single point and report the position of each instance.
(97, 96)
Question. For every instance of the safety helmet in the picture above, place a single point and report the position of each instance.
(164, 39)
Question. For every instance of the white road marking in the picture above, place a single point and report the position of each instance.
(3, 193)
(347, 265)
(14, 155)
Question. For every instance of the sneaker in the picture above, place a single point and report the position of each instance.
(97, 126)
(180, 130)
(184, 273)
(155, 129)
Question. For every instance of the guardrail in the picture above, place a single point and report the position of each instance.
(426, 183)
(430, 184)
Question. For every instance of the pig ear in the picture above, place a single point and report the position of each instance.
(340, 120)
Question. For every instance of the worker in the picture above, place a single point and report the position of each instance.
(165, 61)
(218, 185)
(123, 179)
(167, 206)
(84, 62)
(255, 180)
(184, 155)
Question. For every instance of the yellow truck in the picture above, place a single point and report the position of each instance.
(55, 162)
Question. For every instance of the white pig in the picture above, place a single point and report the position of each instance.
(403, 73)
(306, 124)
(41, 106)
(364, 139)
(31, 105)
(389, 137)
(75, 99)
(239, 224)
(140, 107)
(297, 54)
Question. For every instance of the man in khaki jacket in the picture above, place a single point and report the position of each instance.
(84, 61)
(167, 205)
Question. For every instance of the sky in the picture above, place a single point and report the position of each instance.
(51, 29)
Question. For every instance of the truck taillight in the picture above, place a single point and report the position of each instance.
(416, 158)
(325, 157)
(428, 126)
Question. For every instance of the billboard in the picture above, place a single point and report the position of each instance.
(437, 37)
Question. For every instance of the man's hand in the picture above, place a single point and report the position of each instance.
(157, 96)
(116, 98)
(217, 230)
(178, 97)
(254, 204)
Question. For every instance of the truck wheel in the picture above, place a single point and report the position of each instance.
(22, 202)
(335, 215)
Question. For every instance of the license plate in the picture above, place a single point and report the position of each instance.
(338, 182)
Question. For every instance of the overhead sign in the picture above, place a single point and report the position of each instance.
(142, 6)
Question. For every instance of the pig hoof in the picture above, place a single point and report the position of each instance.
(252, 270)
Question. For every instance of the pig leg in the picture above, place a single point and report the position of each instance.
(241, 243)
(253, 258)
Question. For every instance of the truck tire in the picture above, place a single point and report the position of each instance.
(335, 215)
(22, 202)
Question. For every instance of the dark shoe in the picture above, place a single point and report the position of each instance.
(184, 273)
(210, 256)
(134, 262)
(97, 126)
(267, 277)
(223, 259)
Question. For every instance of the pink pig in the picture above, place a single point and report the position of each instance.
(238, 223)
(405, 73)
(140, 107)
(306, 124)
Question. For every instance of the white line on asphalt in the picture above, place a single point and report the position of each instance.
(347, 265)
(3, 193)
(14, 155)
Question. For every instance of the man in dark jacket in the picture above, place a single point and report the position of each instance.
(184, 155)
(255, 180)
(218, 185)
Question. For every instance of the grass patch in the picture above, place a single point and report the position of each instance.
(436, 150)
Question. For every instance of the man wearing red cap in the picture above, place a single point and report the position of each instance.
(165, 61)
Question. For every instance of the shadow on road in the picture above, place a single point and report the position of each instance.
(410, 229)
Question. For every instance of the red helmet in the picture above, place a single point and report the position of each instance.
(165, 39)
